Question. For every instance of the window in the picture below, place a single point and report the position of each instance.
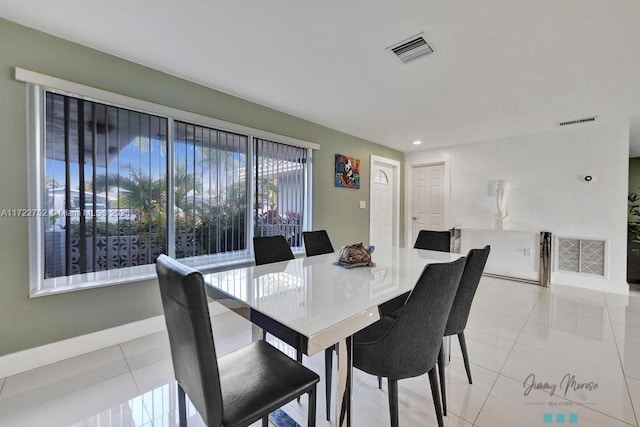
(380, 177)
(210, 197)
(123, 180)
(105, 179)
(280, 196)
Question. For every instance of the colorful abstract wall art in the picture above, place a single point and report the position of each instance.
(347, 172)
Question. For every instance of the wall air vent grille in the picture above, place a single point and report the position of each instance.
(578, 121)
(585, 256)
(411, 49)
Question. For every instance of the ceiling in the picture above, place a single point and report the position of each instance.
(500, 68)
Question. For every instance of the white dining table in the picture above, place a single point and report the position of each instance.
(312, 304)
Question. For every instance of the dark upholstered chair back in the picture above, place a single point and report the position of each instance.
(410, 347)
(190, 336)
(317, 242)
(476, 260)
(433, 240)
(271, 249)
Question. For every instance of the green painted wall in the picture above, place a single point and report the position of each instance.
(25, 322)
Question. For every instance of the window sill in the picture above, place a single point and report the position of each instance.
(208, 264)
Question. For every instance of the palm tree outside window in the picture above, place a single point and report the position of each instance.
(106, 190)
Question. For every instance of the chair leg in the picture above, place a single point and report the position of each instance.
(311, 415)
(379, 382)
(443, 390)
(435, 392)
(465, 355)
(393, 401)
(182, 407)
(299, 359)
(328, 371)
(265, 421)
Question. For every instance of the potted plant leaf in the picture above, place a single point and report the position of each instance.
(633, 230)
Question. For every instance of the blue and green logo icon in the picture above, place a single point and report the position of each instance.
(560, 418)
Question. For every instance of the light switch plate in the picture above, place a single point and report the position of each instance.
(363, 204)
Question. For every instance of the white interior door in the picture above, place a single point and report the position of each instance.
(427, 205)
(384, 198)
(382, 206)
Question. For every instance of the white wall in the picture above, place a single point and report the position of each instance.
(513, 253)
(546, 174)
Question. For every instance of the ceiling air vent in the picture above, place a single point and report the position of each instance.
(411, 48)
(578, 121)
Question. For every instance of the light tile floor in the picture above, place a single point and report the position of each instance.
(516, 332)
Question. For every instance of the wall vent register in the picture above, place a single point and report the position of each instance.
(578, 121)
(411, 49)
(585, 256)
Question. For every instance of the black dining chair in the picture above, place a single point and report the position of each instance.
(427, 239)
(267, 250)
(473, 269)
(408, 345)
(434, 240)
(476, 260)
(239, 388)
(318, 243)
(271, 249)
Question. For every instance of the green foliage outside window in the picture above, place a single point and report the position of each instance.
(634, 219)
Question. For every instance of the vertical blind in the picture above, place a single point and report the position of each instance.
(210, 180)
(280, 178)
(105, 186)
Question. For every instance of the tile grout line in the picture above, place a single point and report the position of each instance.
(474, 422)
(73, 390)
(615, 339)
(124, 357)
(524, 325)
(576, 403)
(569, 400)
(133, 378)
(512, 301)
(420, 397)
(49, 398)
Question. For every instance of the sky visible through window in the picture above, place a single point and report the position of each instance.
(105, 190)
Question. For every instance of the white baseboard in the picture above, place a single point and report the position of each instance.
(14, 363)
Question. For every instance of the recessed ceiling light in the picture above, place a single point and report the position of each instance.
(417, 142)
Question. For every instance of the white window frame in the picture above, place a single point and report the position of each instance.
(37, 84)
